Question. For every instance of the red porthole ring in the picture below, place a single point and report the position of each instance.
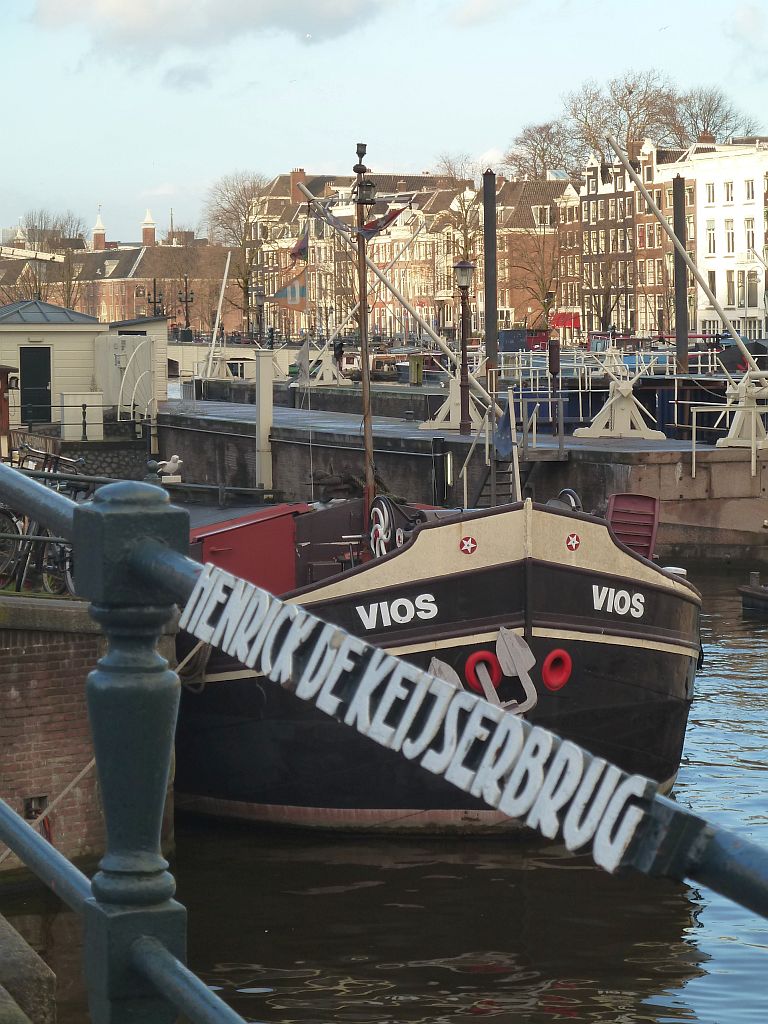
(556, 670)
(487, 658)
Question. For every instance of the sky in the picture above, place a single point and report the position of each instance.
(122, 105)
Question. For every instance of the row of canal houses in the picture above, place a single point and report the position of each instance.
(576, 258)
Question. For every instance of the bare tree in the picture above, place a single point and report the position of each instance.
(633, 106)
(534, 262)
(58, 233)
(464, 214)
(708, 111)
(540, 148)
(230, 213)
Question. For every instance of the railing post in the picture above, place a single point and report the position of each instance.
(133, 700)
(85, 423)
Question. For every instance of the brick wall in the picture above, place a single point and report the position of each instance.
(47, 649)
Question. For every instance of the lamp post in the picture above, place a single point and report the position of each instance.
(259, 298)
(186, 299)
(155, 300)
(365, 197)
(464, 271)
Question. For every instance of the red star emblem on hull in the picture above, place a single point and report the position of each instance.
(572, 541)
(468, 545)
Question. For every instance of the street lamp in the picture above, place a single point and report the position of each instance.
(259, 298)
(155, 299)
(365, 197)
(463, 271)
(186, 298)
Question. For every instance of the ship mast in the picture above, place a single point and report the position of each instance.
(365, 196)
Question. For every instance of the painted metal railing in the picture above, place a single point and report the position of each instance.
(130, 545)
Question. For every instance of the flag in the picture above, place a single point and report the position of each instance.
(334, 222)
(293, 294)
(373, 227)
(300, 251)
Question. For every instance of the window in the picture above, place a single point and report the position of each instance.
(710, 192)
(612, 240)
(630, 205)
(620, 182)
(730, 288)
(689, 226)
(689, 196)
(541, 216)
(648, 172)
(669, 197)
(621, 209)
(641, 236)
(659, 272)
(749, 188)
(600, 209)
(592, 212)
(712, 282)
(729, 192)
(593, 184)
(710, 238)
(741, 281)
(612, 209)
(749, 232)
(657, 197)
(752, 288)
(651, 272)
(730, 243)
(585, 212)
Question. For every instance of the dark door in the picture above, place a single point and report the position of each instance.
(35, 374)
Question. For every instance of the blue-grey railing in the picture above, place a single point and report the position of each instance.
(129, 549)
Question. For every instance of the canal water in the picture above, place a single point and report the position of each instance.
(295, 929)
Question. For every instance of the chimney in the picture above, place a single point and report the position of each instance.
(99, 236)
(298, 176)
(707, 137)
(148, 237)
(400, 185)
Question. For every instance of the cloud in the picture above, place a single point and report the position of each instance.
(142, 29)
(747, 28)
(185, 77)
(491, 158)
(477, 12)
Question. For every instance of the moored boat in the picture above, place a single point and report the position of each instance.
(540, 608)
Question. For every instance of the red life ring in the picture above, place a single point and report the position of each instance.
(494, 668)
(556, 670)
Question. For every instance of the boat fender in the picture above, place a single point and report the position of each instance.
(494, 669)
(557, 668)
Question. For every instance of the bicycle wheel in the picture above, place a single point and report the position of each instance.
(9, 545)
(53, 568)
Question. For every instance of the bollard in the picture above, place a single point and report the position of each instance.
(85, 425)
(133, 700)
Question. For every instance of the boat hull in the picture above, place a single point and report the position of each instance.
(621, 687)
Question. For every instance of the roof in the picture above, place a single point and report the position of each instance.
(34, 311)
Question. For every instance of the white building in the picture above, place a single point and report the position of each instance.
(731, 208)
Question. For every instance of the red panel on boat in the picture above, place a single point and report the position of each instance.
(260, 547)
(634, 519)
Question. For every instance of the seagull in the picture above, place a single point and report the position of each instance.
(170, 467)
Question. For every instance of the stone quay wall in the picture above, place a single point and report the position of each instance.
(47, 649)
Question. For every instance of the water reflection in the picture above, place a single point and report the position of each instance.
(427, 931)
(317, 930)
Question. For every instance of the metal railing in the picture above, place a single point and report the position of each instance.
(130, 545)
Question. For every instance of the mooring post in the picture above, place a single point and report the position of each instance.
(133, 700)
